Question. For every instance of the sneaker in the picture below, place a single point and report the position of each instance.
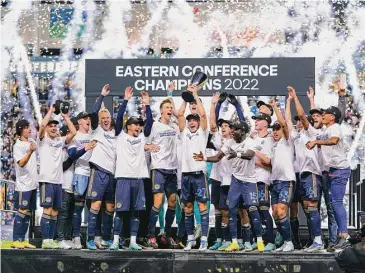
(171, 243)
(198, 232)
(225, 244)
(77, 243)
(297, 245)
(163, 240)
(152, 242)
(180, 243)
(70, 243)
(341, 245)
(47, 244)
(232, 247)
(331, 246)
(269, 247)
(135, 247)
(288, 247)
(64, 245)
(17, 245)
(254, 246)
(143, 243)
(278, 239)
(203, 246)
(241, 245)
(55, 244)
(308, 244)
(248, 247)
(216, 246)
(106, 243)
(91, 245)
(315, 247)
(114, 246)
(98, 244)
(280, 249)
(190, 244)
(260, 246)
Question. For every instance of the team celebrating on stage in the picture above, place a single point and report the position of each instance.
(123, 171)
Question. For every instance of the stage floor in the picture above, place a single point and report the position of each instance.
(179, 261)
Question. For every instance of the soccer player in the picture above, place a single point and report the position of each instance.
(264, 108)
(80, 152)
(131, 168)
(193, 182)
(333, 153)
(310, 173)
(241, 151)
(26, 182)
(51, 173)
(102, 164)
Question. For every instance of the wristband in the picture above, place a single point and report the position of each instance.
(239, 155)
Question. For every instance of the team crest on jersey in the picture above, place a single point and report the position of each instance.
(94, 194)
(119, 205)
(48, 199)
(227, 202)
(25, 202)
(157, 187)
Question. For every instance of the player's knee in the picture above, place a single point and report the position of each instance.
(47, 210)
(96, 205)
(188, 208)
(281, 212)
(312, 203)
(172, 200)
(24, 211)
(202, 206)
(109, 207)
(54, 212)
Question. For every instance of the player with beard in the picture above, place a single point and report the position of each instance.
(51, 173)
(102, 163)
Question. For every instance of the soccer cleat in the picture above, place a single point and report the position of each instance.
(70, 243)
(297, 245)
(225, 244)
(64, 245)
(134, 247)
(114, 246)
(163, 240)
(106, 243)
(232, 247)
(278, 239)
(254, 246)
(203, 246)
(280, 249)
(180, 243)
(248, 247)
(269, 247)
(288, 247)
(55, 244)
(171, 243)
(190, 244)
(98, 244)
(315, 247)
(152, 242)
(17, 245)
(91, 245)
(47, 244)
(144, 243)
(77, 243)
(216, 246)
(260, 246)
(198, 232)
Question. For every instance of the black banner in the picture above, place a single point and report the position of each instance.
(242, 77)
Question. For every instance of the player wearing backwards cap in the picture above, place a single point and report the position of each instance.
(26, 183)
(80, 152)
(102, 164)
(51, 173)
(194, 184)
(263, 171)
(310, 174)
(264, 108)
(164, 166)
(282, 177)
(334, 159)
(131, 168)
(241, 151)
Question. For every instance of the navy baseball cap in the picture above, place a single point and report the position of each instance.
(193, 116)
(134, 120)
(316, 111)
(240, 125)
(20, 125)
(52, 121)
(263, 116)
(82, 115)
(309, 118)
(261, 103)
(221, 121)
(276, 126)
(333, 110)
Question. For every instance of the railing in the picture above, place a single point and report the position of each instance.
(356, 198)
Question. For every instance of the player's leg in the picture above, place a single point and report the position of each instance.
(161, 218)
(57, 204)
(215, 196)
(171, 193)
(187, 198)
(144, 215)
(108, 213)
(62, 218)
(47, 199)
(202, 196)
(294, 221)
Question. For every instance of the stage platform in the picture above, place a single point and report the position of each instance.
(161, 261)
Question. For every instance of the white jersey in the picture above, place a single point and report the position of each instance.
(307, 160)
(282, 160)
(164, 135)
(51, 159)
(27, 176)
(242, 169)
(68, 174)
(316, 134)
(222, 170)
(131, 158)
(82, 166)
(193, 143)
(104, 155)
(334, 156)
(265, 147)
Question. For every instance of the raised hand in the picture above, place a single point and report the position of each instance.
(198, 157)
(291, 92)
(145, 98)
(106, 90)
(272, 102)
(91, 145)
(310, 93)
(171, 87)
(215, 97)
(33, 146)
(128, 93)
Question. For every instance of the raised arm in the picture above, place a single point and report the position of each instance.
(71, 128)
(280, 118)
(288, 117)
(170, 90)
(149, 119)
(299, 107)
(213, 117)
(94, 115)
(201, 110)
(44, 122)
(310, 95)
(128, 93)
(181, 117)
(342, 101)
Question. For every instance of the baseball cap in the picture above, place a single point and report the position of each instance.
(134, 120)
(263, 116)
(261, 103)
(82, 115)
(193, 116)
(221, 121)
(333, 110)
(64, 130)
(194, 101)
(276, 126)
(240, 125)
(20, 125)
(309, 118)
(52, 121)
(316, 111)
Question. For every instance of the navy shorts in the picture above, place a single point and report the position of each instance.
(26, 200)
(282, 192)
(215, 194)
(242, 191)
(129, 195)
(263, 194)
(224, 190)
(310, 183)
(194, 187)
(80, 184)
(297, 189)
(101, 186)
(51, 195)
(164, 181)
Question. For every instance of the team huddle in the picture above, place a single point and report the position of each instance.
(113, 167)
